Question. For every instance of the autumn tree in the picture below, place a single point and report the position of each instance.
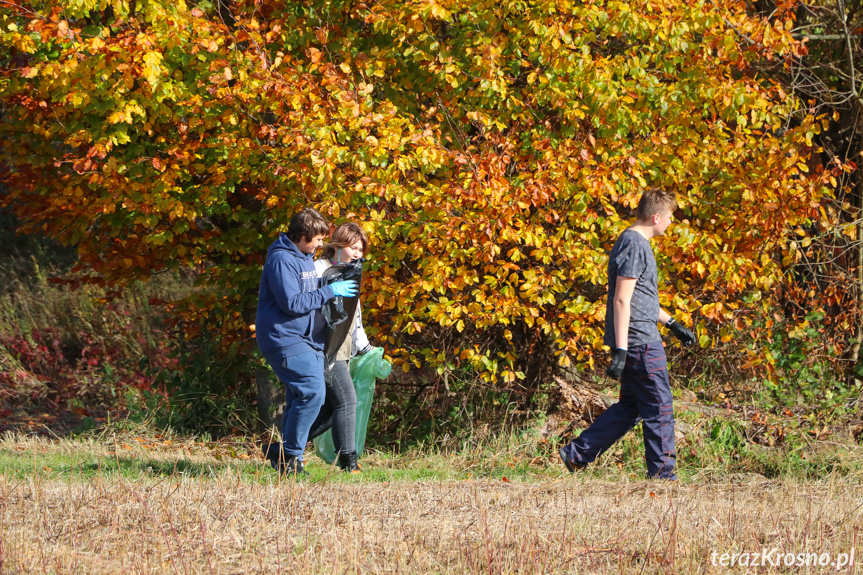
(493, 151)
(826, 78)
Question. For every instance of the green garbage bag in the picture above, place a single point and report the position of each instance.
(365, 369)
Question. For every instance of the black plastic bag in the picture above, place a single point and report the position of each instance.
(339, 310)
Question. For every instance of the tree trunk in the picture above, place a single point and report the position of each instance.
(858, 338)
(271, 393)
(271, 398)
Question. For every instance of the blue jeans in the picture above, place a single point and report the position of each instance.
(303, 377)
(645, 394)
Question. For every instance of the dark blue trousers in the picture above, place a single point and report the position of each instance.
(645, 394)
(303, 376)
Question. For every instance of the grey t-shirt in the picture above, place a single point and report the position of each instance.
(632, 257)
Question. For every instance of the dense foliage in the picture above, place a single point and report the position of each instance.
(827, 77)
(493, 150)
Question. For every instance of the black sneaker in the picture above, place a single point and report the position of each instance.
(282, 462)
(290, 465)
(348, 462)
(571, 466)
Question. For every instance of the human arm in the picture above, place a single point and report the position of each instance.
(623, 290)
(286, 286)
(340, 288)
(624, 287)
(664, 316)
(360, 340)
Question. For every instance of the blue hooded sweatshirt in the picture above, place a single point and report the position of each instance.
(288, 300)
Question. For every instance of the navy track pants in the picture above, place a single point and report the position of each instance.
(645, 394)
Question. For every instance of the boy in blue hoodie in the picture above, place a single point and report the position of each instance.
(287, 334)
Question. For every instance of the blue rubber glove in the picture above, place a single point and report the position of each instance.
(345, 288)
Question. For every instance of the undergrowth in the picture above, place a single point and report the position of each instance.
(79, 349)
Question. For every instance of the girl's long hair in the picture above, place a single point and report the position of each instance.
(345, 235)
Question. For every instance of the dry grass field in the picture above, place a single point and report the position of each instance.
(172, 508)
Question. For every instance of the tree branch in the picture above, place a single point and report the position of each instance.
(801, 35)
(843, 17)
(731, 25)
(851, 70)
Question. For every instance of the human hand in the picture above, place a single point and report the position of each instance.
(618, 362)
(344, 288)
(685, 336)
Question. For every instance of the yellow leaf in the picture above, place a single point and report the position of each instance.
(440, 12)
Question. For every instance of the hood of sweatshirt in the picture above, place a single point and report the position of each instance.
(283, 243)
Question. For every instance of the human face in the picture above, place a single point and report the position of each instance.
(309, 246)
(662, 221)
(350, 253)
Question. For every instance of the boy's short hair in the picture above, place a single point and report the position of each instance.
(306, 224)
(346, 235)
(656, 201)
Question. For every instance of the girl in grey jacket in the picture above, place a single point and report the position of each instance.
(348, 243)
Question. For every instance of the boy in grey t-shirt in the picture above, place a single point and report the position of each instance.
(638, 358)
(632, 257)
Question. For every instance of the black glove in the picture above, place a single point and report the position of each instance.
(685, 336)
(618, 361)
